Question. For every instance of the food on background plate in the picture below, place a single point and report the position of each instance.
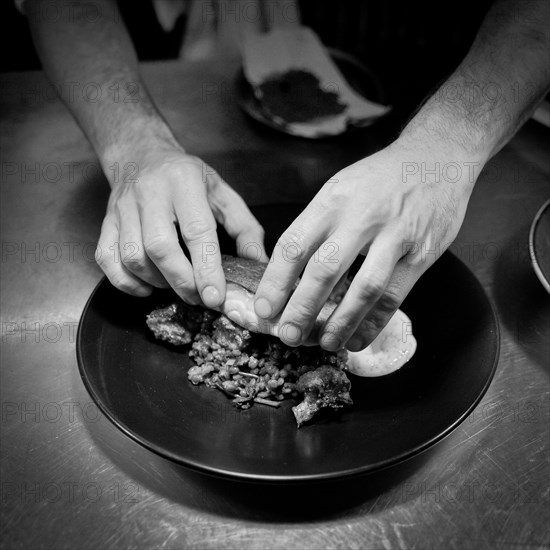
(297, 96)
(298, 85)
(238, 353)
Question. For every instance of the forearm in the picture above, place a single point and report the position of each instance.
(496, 87)
(80, 52)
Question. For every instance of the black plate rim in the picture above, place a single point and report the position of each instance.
(344, 474)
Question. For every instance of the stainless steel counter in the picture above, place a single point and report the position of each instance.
(70, 479)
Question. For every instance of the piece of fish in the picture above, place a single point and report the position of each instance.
(243, 277)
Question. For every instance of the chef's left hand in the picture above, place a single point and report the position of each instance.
(387, 207)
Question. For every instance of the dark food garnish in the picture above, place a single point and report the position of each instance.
(323, 388)
(176, 324)
(296, 96)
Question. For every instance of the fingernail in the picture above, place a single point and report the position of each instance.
(263, 308)
(143, 291)
(235, 316)
(291, 333)
(330, 341)
(354, 344)
(161, 284)
(192, 300)
(211, 296)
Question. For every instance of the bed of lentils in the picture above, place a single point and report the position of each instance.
(249, 365)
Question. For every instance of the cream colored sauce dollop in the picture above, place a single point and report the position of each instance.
(391, 349)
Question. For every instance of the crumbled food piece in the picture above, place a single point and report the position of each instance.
(229, 335)
(177, 323)
(325, 387)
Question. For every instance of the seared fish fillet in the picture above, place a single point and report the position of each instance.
(243, 278)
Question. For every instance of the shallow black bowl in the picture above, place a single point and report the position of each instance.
(141, 385)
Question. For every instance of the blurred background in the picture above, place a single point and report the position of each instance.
(411, 46)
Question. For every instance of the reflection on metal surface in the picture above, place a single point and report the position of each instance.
(73, 478)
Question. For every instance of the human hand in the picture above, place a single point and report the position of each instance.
(138, 248)
(387, 207)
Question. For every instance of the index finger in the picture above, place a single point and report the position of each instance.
(161, 244)
(290, 255)
(198, 229)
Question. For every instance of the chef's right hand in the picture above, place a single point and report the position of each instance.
(138, 248)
